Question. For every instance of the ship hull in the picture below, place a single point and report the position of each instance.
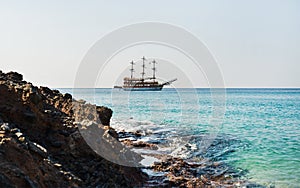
(158, 88)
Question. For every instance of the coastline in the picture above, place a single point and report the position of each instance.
(42, 146)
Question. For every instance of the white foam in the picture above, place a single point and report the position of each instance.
(127, 138)
(150, 172)
(148, 160)
(166, 137)
(133, 126)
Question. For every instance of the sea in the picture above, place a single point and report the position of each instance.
(257, 132)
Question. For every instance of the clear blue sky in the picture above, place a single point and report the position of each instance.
(256, 42)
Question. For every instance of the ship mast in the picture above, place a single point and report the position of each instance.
(131, 70)
(143, 73)
(154, 69)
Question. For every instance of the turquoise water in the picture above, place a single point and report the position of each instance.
(259, 134)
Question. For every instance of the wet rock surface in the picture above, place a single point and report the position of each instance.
(181, 173)
(205, 170)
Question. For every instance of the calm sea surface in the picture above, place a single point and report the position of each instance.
(259, 134)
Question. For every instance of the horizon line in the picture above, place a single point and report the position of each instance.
(183, 88)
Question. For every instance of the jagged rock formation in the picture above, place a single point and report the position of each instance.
(40, 146)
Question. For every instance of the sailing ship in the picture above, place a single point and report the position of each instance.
(144, 83)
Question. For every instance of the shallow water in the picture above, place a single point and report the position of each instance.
(259, 135)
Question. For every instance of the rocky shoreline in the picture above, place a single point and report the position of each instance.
(41, 145)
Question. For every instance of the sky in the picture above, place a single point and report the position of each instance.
(256, 43)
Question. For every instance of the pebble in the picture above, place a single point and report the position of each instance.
(57, 165)
(47, 111)
(5, 127)
(21, 139)
(18, 134)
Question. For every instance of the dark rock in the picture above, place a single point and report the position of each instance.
(64, 132)
(104, 114)
(30, 117)
(37, 149)
(35, 98)
(253, 185)
(5, 181)
(67, 96)
(3, 87)
(90, 117)
(42, 130)
(55, 91)
(30, 183)
(112, 132)
(57, 144)
(46, 90)
(14, 76)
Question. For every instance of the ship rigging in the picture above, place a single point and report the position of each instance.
(143, 84)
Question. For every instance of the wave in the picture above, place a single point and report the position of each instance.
(178, 141)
